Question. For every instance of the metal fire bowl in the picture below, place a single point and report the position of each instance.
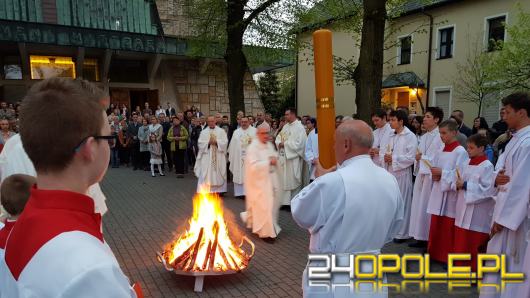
(199, 275)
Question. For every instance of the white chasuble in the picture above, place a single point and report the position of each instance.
(237, 151)
(210, 166)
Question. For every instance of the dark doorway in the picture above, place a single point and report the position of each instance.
(140, 97)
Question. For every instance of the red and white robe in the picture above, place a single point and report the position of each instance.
(56, 249)
(442, 203)
(474, 209)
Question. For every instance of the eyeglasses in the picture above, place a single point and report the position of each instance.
(78, 147)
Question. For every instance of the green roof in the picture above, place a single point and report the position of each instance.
(133, 16)
(403, 79)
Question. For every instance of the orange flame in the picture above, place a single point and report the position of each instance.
(206, 245)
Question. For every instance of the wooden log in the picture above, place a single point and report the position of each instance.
(195, 251)
(236, 266)
(184, 255)
(207, 256)
(214, 246)
(225, 260)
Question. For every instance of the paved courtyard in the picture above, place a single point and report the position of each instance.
(145, 213)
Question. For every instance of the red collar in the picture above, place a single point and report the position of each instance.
(4, 233)
(477, 160)
(48, 214)
(451, 147)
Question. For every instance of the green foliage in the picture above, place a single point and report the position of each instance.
(510, 67)
(277, 91)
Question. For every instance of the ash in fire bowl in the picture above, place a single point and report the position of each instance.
(206, 248)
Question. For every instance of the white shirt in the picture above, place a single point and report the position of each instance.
(381, 138)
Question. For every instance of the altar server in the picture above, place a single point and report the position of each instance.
(65, 254)
(511, 216)
(474, 206)
(398, 160)
(430, 146)
(382, 135)
(442, 203)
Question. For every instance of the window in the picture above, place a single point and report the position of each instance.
(91, 69)
(44, 67)
(443, 100)
(445, 49)
(13, 72)
(405, 50)
(496, 33)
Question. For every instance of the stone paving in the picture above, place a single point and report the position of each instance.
(146, 212)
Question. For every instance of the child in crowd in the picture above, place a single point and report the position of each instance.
(474, 206)
(14, 193)
(442, 202)
(155, 148)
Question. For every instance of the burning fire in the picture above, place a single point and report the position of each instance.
(206, 245)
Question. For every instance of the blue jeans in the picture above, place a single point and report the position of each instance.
(114, 158)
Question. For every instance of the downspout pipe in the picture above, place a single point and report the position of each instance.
(429, 55)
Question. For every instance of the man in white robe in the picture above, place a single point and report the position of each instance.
(210, 166)
(354, 209)
(237, 151)
(511, 216)
(291, 145)
(382, 134)
(430, 145)
(399, 161)
(263, 182)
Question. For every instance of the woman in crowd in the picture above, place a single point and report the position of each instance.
(5, 132)
(480, 123)
(143, 137)
(417, 121)
(124, 111)
(311, 148)
(156, 128)
(274, 128)
(124, 143)
(178, 136)
(114, 148)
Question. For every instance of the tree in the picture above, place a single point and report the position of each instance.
(277, 91)
(510, 66)
(226, 25)
(474, 83)
(369, 71)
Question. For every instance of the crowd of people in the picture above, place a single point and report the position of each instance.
(451, 188)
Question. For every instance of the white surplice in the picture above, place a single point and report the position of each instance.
(512, 211)
(14, 160)
(210, 166)
(263, 183)
(291, 161)
(311, 152)
(358, 208)
(381, 138)
(443, 194)
(403, 147)
(420, 221)
(236, 155)
(474, 206)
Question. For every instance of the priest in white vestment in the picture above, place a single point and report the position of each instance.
(511, 216)
(354, 209)
(430, 146)
(237, 150)
(210, 166)
(398, 161)
(382, 134)
(263, 184)
(291, 146)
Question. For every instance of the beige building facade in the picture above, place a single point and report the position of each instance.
(458, 29)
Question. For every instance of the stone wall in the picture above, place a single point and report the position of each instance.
(174, 17)
(203, 84)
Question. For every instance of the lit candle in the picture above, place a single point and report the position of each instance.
(322, 47)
